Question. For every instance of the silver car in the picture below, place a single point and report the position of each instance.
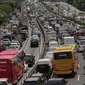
(81, 45)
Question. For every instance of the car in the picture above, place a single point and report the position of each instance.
(41, 76)
(37, 32)
(65, 35)
(6, 42)
(5, 81)
(34, 41)
(24, 27)
(29, 59)
(33, 81)
(49, 29)
(56, 81)
(53, 44)
(15, 45)
(81, 45)
(2, 46)
(24, 36)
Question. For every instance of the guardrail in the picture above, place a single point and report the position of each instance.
(45, 37)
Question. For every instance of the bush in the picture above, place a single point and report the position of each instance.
(5, 8)
(3, 16)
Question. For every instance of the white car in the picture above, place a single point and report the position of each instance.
(53, 44)
(81, 45)
(14, 45)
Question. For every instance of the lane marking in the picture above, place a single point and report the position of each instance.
(78, 65)
(78, 77)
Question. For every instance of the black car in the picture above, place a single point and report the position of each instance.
(30, 60)
(33, 81)
(56, 81)
(34, 41)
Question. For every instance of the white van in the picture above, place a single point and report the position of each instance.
(44, 66)
(69, 40)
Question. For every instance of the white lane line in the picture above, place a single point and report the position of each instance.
(78, 77)
(78, 65)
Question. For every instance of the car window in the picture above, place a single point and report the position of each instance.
(54, 83)
(3, 83)
(82, 42)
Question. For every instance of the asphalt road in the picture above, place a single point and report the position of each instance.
(28, 50)
(79, 79)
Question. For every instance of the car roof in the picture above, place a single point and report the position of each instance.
(3, 79)
(37, 74)
(32, 79)
(58, 79)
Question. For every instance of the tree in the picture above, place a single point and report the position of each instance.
(5, 8)
(3, 16)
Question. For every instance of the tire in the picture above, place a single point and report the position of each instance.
(73, 72)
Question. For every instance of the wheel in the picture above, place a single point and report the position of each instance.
(73, 72)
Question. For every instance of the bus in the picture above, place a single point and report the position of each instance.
(12, 65)
(65, 59)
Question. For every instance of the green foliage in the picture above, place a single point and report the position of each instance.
(80, 4)
(3, 16)
(5, 8)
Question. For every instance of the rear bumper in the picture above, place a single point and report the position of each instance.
(63, 72)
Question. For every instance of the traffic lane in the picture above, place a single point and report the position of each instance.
(35, 51)
(79, 79)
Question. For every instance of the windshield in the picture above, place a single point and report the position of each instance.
(2, 83)
(44, 68)
(31, 83)
(54, 83)
(6, 39)
(62, 55)
(82, 43)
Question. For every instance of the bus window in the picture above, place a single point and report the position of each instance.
(62, 55)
